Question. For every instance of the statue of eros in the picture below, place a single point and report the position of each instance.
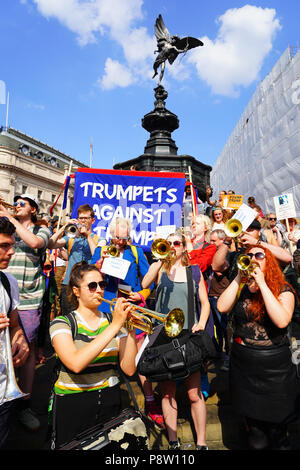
(169, 47)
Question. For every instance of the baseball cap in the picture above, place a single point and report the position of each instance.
(30, 198)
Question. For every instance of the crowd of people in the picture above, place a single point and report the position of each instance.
(248, 313)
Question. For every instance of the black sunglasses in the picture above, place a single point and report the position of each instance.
(92, 286)
(260, 255)
(272, 218)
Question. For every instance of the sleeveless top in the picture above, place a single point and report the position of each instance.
(172, 294)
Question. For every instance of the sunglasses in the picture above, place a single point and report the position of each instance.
(92, 286)
(272, 218)
(260, 255)
(175, 243)
(19, 203)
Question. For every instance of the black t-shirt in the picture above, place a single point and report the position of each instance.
(262, 332)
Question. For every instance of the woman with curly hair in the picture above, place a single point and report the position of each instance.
(218, 218)
(262, 375)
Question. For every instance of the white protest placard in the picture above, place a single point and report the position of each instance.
(284, 206)
(165, 230)
(116, 267)
(245, 215)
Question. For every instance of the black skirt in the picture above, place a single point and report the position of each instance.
(263, 382)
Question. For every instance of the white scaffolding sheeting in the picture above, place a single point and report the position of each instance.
(262, 156)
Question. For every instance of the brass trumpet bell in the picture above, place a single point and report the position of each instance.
(8, 206)
(233, 228)
(138, 318)
(160, 248)
(245, 264)
(113, 250)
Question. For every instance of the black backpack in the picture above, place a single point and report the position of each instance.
(6, 285)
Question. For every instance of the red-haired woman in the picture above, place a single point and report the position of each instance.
(262, 375)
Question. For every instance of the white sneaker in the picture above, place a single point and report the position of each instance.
(29, 420)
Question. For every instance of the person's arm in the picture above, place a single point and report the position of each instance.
(219, 262)
(152, 274)
(279, 310)
(19, 345)
(205, 307)
(78, 359)
(280, 253)
(57, 240)
(32, 240)
(127, 353)
(143, 268)
(228, 297)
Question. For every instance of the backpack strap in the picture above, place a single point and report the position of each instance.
(70, 245)
(6, 285)
(191, 296)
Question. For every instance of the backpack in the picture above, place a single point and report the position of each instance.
(71, 242)
(6, 285)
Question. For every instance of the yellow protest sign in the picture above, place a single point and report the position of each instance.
(232, 201)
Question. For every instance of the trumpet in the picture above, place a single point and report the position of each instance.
(11, 390)
(173, 321)
(245, 264)
(113, 250)
(8, 206)
(161, 249)
(71, 231)
(233, 228)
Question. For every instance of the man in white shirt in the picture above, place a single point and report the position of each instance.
(9, 318)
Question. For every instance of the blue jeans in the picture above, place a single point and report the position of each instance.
(221, 321)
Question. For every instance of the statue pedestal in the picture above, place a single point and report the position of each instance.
(160, 152)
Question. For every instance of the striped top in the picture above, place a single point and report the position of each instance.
(26, 266)
(102, 372)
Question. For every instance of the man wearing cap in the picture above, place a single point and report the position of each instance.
(26, 266)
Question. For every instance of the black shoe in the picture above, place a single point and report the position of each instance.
(199, 447)
(174, 445)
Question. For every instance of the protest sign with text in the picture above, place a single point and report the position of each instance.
(148, 199)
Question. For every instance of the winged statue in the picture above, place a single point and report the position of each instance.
(169, 47)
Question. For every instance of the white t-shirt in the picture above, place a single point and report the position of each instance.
(4, 306)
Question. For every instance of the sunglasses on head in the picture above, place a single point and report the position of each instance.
(92, 286)
(260, 255)
(175, 243)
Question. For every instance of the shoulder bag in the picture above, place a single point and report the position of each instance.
(179, 357)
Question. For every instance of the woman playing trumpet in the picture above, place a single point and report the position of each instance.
(171, 279)
(262, 376)
(87, 389)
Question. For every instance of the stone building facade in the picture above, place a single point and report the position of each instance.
(30, 166)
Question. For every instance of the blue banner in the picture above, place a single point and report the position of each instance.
(148, 199)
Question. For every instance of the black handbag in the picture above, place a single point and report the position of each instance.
(178, 358)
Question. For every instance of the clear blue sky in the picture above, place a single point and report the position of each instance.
(78, 70)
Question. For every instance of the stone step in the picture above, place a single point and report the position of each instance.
(223, 429)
